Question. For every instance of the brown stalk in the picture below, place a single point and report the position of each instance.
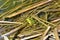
(29, 8)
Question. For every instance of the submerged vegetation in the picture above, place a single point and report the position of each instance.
(30, 19)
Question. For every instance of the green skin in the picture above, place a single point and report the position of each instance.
(30, 21)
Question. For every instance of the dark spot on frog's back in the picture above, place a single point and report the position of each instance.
(1, 11)
(8, 19)
(40, 14)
